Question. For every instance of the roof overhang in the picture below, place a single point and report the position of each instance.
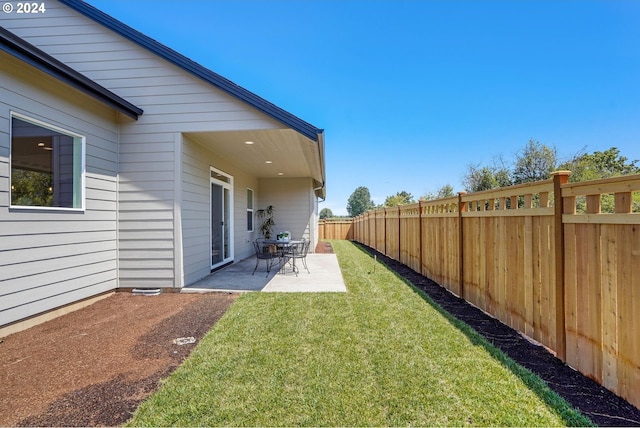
(273, 153)
(33, 56)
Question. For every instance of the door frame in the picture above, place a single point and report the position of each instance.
(227, 184)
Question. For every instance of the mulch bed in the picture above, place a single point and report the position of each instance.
(602, 406)
(94, 366)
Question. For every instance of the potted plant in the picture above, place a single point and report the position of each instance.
(266, 216)
(284, 236)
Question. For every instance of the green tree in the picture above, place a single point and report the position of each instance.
(359, 202)
(400, 198)
(534, 163)
(479, 178)
(596, 165)
(31, 188)
(599, 165)
(445, 191)
(326, 213)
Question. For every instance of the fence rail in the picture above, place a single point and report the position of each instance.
(567, 277)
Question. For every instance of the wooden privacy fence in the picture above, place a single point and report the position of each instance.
(335, 229)
(568, 278)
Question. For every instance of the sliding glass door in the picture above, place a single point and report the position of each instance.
(221, 218)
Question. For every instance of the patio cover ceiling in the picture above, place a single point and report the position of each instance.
(274, 153)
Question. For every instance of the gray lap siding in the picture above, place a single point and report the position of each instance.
(50, 258)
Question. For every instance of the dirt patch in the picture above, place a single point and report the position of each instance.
(95, 366)
(324, 248)
(602, 406)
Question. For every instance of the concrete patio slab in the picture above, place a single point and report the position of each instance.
(324, 276)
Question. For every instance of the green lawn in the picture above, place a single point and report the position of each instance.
(379, 355)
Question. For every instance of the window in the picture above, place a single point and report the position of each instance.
(249, 210)
(47, 165)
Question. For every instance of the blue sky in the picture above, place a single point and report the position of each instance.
(410, 93)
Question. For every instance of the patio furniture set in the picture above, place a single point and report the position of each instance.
(285, 252)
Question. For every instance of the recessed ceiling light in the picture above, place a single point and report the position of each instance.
(249, 143)
(269, 162)
(281, 173)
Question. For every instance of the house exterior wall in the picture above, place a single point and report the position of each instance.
(162, 209)
(173, 101)
(50, 258)
(295, 205)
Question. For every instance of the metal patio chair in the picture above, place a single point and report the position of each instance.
(267, 252)
(297, 251)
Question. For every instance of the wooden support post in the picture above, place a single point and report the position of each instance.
(399, 236)
(375, 230)
(385, 231)
(369, 230)
(420, 232)
(461, 208)
(559, 178)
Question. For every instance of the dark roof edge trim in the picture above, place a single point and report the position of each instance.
(322, 192)
(42, 61)
(196, 69)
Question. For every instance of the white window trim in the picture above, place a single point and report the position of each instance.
(83, 171)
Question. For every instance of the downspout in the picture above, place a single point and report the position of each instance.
(316, 233)
(320, 192)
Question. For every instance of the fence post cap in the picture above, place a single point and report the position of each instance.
(561, 172)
